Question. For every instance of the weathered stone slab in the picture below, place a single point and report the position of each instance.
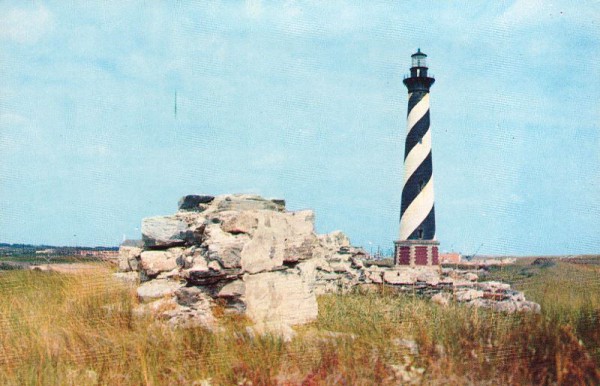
(164, 231)
(240, 222)
(236, 288)
(155, 262)
(441, 298)
(528, 306)
(188, 296)
(467, 295)
(158, 288)
(241, 202)
(192, 202)
(429, 276)
(332, 242)
(400, 276)
(493, 286)
(272, 238)
(128, 258)
(341, 266)
(278, 298)
(375, 276)
(208, 277)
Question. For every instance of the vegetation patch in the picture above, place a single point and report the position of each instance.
(83, 329)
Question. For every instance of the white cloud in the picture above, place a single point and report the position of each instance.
(25, 26)
(319, 18)
(254, 8)
(12, 119)
(527, 11)
(271, 160)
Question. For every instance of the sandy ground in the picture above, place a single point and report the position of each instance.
(72, 268)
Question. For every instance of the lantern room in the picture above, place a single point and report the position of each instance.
(419, 59)
(419, 64)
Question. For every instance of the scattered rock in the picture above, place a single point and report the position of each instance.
(528, 306)
(165, 231)
(402, 276)
(188, 296)
(375, 276)
(409, 344)
(242, 202)
(441, 298)
(155, 262)
(494, 286)
(128, 258)
(504, 306)
(407, 373)
(234, 289)
(429, 276)
(215, 266)
(159, 288)
(340, 266)
(466, 295)
(192, 202)
(240, 222)
(174, 274)
(544, 262)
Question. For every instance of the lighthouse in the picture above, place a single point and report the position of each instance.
(416, 245)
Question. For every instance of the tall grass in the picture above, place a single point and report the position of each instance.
(81, 330)
(568, 293)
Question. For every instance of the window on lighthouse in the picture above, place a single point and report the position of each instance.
(421, 185)
(418, 60)
(420, 233)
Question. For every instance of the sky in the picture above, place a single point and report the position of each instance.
(110, 112)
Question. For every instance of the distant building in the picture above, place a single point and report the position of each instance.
(48, 251)
(100, 254)
(451, 258)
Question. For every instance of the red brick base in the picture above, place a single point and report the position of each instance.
(416, 252)
(404, 257)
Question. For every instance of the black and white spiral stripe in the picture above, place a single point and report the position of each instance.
(417, 218)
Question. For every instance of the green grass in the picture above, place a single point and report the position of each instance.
(80, 329)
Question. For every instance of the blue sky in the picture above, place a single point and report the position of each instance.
(302, 100)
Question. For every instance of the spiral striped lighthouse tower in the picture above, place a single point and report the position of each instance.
(416, 244)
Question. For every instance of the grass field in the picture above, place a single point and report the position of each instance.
(81, 330)
(569, 294)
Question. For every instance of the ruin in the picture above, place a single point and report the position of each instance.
(255, 258)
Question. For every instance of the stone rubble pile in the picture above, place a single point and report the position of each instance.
(252, 256)
(449, 284)
(244, 252)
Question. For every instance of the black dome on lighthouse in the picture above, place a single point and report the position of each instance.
(419, 53)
